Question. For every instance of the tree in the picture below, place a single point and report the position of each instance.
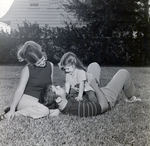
(108, 15)
(125, 20)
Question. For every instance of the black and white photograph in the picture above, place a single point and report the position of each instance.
(74, 73)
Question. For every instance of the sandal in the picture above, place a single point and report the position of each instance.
(132, 99)
(2, 117)
(7, 110)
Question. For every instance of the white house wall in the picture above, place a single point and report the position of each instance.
(21, 11)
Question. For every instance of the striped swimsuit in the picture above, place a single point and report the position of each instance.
(82, 109)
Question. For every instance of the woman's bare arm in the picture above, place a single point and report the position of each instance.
(19, 92)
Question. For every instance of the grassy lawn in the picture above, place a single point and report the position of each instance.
(128, 124)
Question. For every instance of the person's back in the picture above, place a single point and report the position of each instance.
(39, 78)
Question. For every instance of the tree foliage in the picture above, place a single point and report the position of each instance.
(126, 21)
(113, 32)
(109, 15)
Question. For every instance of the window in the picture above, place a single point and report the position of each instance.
(34, 3)
(54, 3)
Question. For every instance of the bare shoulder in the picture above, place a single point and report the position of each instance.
(25, 69)
(52, 65)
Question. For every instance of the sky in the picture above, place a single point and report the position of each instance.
(4, 6)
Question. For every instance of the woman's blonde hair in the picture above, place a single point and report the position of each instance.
(70, 58)
(31, 52)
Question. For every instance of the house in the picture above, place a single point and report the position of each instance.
(41, 12)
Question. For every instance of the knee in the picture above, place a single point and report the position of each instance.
(124, 71)
(44, 111)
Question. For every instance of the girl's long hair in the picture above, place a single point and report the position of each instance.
(70, 58)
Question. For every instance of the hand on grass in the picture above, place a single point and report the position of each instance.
(78, 98)
(54, 112)
(10, 115)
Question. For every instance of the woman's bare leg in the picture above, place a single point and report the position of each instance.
(29, 106)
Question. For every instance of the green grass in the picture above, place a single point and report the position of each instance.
(125, 125)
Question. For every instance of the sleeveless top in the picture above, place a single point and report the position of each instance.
(39, 77)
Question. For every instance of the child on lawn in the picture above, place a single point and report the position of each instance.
(76, 78)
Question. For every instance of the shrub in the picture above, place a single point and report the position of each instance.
(88, 46)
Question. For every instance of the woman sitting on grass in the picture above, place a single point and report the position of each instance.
(106, 96)
(34, 77)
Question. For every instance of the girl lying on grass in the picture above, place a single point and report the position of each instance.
(106, 96)
(76, 81)
(34, 77)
